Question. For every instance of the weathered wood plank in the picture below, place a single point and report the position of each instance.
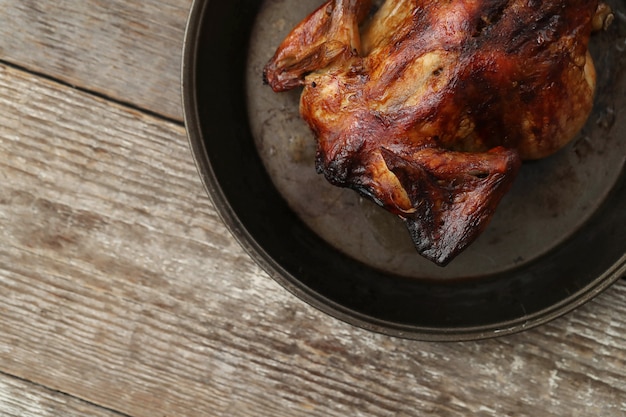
(121, 286)
(20, 398)
(93, 44)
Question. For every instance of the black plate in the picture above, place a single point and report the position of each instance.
(586, 260)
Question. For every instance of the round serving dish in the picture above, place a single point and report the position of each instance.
(557, 240)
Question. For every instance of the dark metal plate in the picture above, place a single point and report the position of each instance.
(558, 239)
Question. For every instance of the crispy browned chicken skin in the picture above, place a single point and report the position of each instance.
(428, 107)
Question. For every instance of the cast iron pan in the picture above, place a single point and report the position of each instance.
(557, 241)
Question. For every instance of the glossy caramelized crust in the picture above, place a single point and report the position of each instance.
(428, 107)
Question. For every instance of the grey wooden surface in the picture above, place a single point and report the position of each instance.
(122, 293)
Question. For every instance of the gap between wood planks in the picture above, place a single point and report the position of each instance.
(95, 93)
(63, 394)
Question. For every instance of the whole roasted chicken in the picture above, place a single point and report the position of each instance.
(429, 107)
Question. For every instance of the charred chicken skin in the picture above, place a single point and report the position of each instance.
(429, 107)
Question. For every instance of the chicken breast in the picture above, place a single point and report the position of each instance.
(429, 107)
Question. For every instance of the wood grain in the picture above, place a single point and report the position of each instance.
(96, 44)
(121, 287)
(20, 398)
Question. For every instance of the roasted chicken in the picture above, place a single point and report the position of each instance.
(429, 107)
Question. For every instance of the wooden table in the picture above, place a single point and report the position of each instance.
(123, 294)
